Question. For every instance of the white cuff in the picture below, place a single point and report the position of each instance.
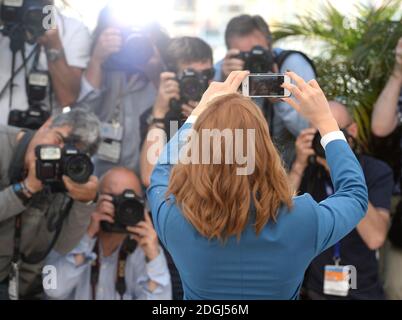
(192, 119)
(332, 136)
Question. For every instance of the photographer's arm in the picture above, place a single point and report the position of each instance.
(66, 79)
(156, 137)
(384, 118)
(11, 205)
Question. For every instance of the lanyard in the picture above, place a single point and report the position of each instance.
(337, 247)
(126, 248)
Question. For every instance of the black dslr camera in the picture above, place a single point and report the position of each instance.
(193, 85)
(23, 20)
(136, 52)
(129, 211)
(258, 60)
(37, 113)
(53, 163)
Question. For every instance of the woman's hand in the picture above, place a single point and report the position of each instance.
(217, 89)
(311, 104)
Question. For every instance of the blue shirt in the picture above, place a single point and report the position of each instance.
(272, 264)
(74, 282)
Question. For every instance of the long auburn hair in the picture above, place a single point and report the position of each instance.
(213, 197)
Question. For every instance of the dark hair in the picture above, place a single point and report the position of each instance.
(244, 25)
(187, 50)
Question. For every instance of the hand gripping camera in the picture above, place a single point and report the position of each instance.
(129, 211)
(53, 163)
(136, 52)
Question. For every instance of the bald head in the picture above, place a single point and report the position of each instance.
(117, 180)
(341, 114)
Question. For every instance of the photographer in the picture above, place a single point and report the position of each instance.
(358, 248)
(386, 128)
(34, 217)
(50, 50)
(93, 269)
(191, 63)
(120, 84)
(250, 47)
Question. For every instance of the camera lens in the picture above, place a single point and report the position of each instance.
(79, 168)
(130, 212)
(191, 89)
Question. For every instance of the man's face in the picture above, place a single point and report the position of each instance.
(248, 42)
(200, 66)
(116, 182)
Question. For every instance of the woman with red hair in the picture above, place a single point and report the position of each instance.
(241, 234)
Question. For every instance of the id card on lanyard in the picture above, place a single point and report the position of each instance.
(336, 276)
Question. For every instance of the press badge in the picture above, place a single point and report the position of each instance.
(336, 280)
(110, 147)
(13, 289)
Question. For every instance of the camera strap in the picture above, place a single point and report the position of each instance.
(125, 250)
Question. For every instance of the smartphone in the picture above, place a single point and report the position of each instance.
(266, 86)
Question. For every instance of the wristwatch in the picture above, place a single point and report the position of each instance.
(54, 54)
(18, 189)
(152, 120)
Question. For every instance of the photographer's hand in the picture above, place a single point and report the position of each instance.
(168, 89)
(217, 89)
(231, 64)
(51, 39)
(109, 42)
(82, 192)
(31, 182)
(146, 237)
(311, 104)
(188, 108)
(304, 148)
(104, 212)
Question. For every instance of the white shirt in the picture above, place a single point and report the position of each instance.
(76, 41)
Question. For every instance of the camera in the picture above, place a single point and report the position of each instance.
(136, 52)
(258, 60)
(193, 84)
(54, 162)
(23, 20)
(32, 119)
(129, 211)
(36, 115)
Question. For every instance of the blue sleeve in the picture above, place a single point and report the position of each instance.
(218, 71)
(293, 121)
(69, 275)
(156, 193)
(339, 214)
